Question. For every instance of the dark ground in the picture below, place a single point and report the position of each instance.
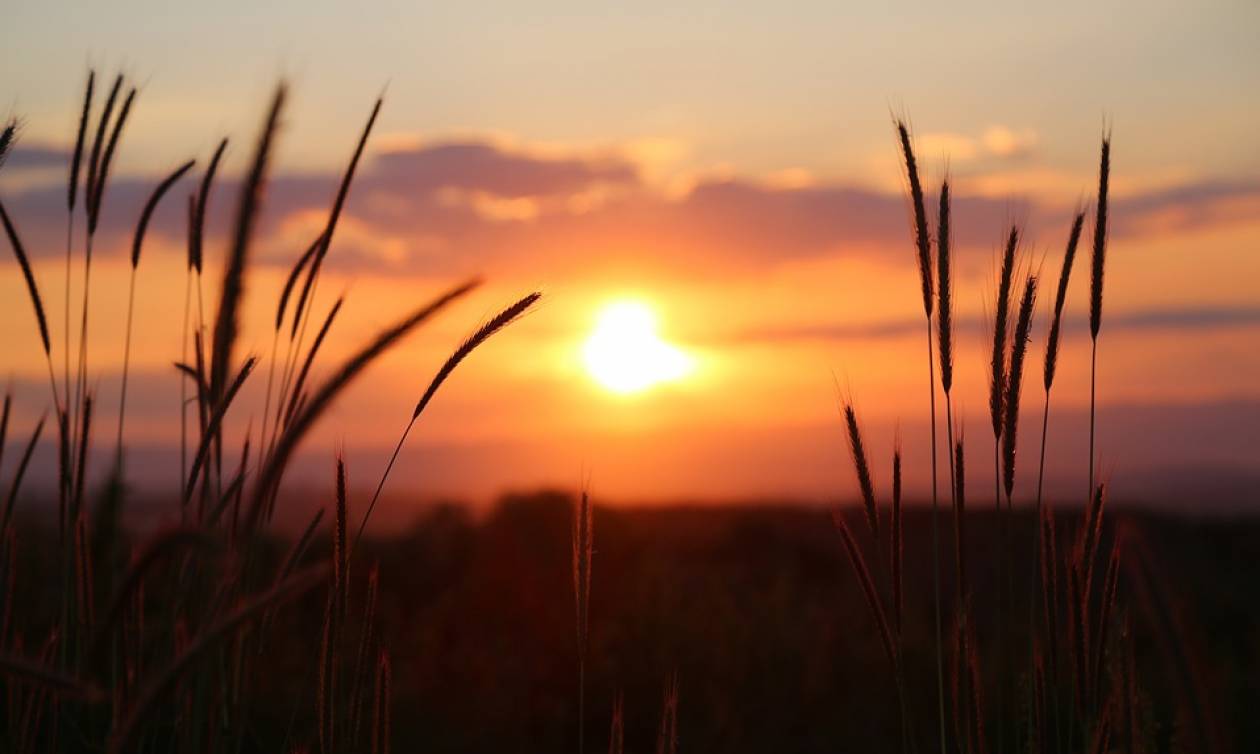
(759, 612)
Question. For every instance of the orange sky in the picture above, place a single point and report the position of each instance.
(760, 217)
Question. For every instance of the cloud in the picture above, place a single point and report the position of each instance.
(1001, 141)
(1186, 207)
(997, 142)
(26, 156)
(488, 169)
(458, 206)
(1185, 319)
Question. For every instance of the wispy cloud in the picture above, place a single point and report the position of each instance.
(437, 206)
(996, 142)
(1182, 319)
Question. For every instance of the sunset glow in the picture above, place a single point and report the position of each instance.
(626, 355)
(712, 201)
(529, 376)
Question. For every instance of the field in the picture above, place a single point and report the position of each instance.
(755, 610)
(960, 623)
(757, 613)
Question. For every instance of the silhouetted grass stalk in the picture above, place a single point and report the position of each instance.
(138, 243)
(98, 181)
(1043, 523)
(583, 549)
(32, 289)
(1097, 268)
(72, 192)
(483, 333)
(924, 258)
(997, 397)
(324, 242)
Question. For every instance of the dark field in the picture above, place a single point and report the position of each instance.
(757, 610)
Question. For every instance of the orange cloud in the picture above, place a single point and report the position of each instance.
(441, 207)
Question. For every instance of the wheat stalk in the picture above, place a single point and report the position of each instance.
(1098, 260)
(867, 583)
(8, 136)
(924, 258)
(1019, 348)
(861, 468)
(944, 289)
(998, 376)
(1043, 524)
(1001, 327)
(922, 240)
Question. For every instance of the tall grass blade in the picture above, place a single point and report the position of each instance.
(482, 334)
(19, 251)
(868, 585)
(861, 468)
(137, 244)
(213, 423)
(343, 190)
(20, 473)
(98, 144)
(197, 234)
(583, 537)
(922, 240)
(107, 160)
(248, 209)
(304, 419)
(76, 157)
(1014, 382)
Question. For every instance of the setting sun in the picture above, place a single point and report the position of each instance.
(626, 355)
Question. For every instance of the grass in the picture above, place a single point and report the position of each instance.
(923, 255)
(1067, 706)
(184, 642)
(170, 642)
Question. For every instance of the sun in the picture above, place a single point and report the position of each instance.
(625, 354)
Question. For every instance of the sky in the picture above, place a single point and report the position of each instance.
(727, 170)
